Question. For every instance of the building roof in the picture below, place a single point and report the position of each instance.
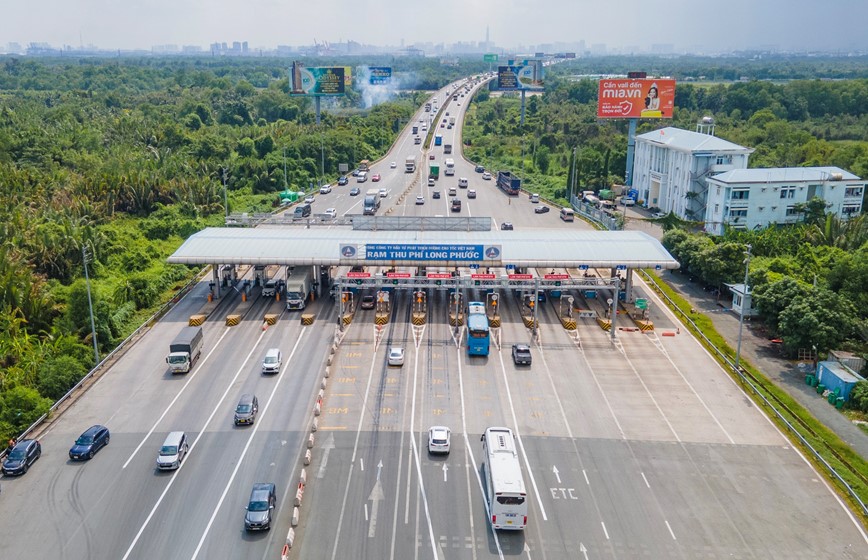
(689, 141)
(783, 175)
(329, 247)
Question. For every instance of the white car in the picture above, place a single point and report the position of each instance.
(487, 176)
(420, 199)
(384, 193)
(325, 189)
(331, 213)
(438, 439)
(309, 199)
(659, 215)
(393, 165)
(396, 356)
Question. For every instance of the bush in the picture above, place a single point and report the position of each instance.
(58, 375)
(859, 397)
(19, 408)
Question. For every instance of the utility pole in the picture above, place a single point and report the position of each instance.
(285, 184)
(225, 197)
(85, 257)
(743, 301)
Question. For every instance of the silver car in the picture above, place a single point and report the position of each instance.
(439, 439)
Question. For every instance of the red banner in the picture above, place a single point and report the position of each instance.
(397, 275)
(521, 276)
(439, 275)
(556, 276)
(483, 276)
(358, 274)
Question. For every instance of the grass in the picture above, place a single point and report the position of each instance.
(828, 445)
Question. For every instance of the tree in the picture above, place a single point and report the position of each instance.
(772, 299)
(19, 408)
(822, 320)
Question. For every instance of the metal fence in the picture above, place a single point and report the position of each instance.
(753, 387)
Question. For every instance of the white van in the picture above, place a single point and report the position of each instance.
(567, 214)
(363, 176)
(173, 451)
(462, 183)
(534, 197)
(271, 362)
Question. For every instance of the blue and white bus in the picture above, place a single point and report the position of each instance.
(504, 484)
(478, 336)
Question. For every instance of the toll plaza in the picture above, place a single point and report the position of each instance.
(589, 272)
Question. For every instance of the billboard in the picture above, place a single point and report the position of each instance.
(420, 252)
(527, 76)
(380, 75)
(636, 99)
(327, 80)
(489, 58)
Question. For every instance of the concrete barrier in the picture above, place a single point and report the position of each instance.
(314, 425)
(299, 494)
(294, 520)
(290, 537)
(302, 477)
(307, 457)
(311, 440)
(324, 383)
(327, 372)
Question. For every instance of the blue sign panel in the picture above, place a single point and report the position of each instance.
(380, 75)
(416, 252)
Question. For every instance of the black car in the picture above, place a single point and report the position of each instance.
(479, 169)
(355, 191)
(92, 440)
(260, 507)
(24, 454)
(506, 226)
(521, 354)
(541, 209)
(436, 194)
(247, 409)
(342, 180)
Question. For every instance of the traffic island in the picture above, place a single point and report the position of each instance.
(232, 320)
(197, 320)
(270, 318)
(307, 318)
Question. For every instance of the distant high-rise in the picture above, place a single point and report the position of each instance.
(487, 42)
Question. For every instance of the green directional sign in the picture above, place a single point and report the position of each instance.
(641, 303)
(489, 57)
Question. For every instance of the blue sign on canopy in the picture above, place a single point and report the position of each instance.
(417, 252)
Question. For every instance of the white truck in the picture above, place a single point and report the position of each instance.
(410, 164)
(298, 290)
(185, 349)
(372, 202)
(450, 167)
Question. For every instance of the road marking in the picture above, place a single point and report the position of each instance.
(178, 396)
(445, 470)
(362, 464)
(670, 530)
(192, 447)
(376, 496)
(604, 529)
(584, 472)
(557, 473)
(646, 480)
(327, 447)
(246, 446)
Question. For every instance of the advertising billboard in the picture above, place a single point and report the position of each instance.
(636, 99)
(380, 75)
(527, 76)
(327, 80)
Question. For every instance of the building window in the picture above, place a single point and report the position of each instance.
(852, 192)
(791, 211)
(738, 213)
(788, 192)
(723, 160)
(850, 209)
(742, 194)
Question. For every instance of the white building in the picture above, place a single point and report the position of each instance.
(756, 198)
(741, 299)
(671, 164)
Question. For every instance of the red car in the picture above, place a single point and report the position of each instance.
(431, 156)
(375, 177)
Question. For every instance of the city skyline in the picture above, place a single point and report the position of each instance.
(699, 26)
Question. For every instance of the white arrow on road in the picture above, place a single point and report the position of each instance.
(327, 446)
(583, 550)
(445, 470)
(527, 551)
(376, 496)
(557, 473)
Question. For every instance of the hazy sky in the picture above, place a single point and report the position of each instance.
(686, 24)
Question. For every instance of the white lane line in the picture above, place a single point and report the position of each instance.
(651, 396)
(670, 530)
(605, 532)
(518, 438)
(584, 472)
(355, 451)
(246, 446)
(366, 511)
(418, 462)
(646, 480)
(184, 388)
(192, 447)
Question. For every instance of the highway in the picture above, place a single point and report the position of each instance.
(641, 448)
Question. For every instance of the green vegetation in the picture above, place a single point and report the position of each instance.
(125, 158)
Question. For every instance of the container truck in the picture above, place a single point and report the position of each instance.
(435, 172)
(410, 164)
(508, 183)
(447, 148)
(298, 290)
(415, 129)
(438, 139)
(372, 202)
(185, 349)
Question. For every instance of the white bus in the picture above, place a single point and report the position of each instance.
(507, 498)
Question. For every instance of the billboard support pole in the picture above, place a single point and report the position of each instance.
(317, 108)
(521, 123)
(631, 147)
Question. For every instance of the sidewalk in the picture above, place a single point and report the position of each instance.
(763, 355)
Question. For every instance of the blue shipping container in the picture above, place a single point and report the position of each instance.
(836, 376)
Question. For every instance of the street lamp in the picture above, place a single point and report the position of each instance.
(85, 257)
(322, 159)
(225, 197)
(743, 300)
